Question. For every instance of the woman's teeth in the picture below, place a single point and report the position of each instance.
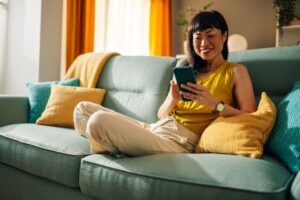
(206, 50)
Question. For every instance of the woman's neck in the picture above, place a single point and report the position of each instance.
(214, 64)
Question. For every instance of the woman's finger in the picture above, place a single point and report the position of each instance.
(189, 95)
(196, 86)
(196, 91)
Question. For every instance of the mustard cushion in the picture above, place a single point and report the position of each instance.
(38, 95)
(62, 102)
(243, 134)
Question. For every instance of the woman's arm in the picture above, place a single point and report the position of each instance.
(170, 102)
(242, 91)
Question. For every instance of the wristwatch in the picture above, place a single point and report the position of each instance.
(219, 107)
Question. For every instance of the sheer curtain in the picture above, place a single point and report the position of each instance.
(3, 39)
(122, 26)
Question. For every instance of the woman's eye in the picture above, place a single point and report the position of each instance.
(210, 36)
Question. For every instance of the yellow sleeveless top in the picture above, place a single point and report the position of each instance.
(196, 116)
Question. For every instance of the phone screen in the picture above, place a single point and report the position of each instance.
(183, 75)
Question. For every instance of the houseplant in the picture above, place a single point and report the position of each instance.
(285, 13)
(184, 16)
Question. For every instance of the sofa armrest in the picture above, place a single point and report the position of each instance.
(13, 109)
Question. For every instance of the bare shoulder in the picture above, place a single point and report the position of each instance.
(240, 74)
(240, 69)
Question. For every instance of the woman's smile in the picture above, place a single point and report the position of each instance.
(206, 50)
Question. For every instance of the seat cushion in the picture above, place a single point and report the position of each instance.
(19, 185)
(183, 176)
(295, 190)
(49, 152)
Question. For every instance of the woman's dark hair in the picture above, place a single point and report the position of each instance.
(201, 22)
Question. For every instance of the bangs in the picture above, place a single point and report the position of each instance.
(206, 20)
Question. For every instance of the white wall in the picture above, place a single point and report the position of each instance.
(22, 61)
(3, 33)
(51, 39)
(33, 44)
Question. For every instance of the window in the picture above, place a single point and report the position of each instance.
(122, 26)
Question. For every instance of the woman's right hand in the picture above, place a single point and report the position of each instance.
(170, 102)
(174, 92)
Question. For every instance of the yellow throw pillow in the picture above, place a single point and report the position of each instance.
(242, 134)
(62, 102)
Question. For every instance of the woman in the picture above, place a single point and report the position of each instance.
(222, 89)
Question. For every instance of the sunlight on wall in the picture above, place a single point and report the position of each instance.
(31, 27)
(3, 32)
(23, 44)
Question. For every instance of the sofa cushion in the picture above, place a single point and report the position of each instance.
(62, 102)
(39, 93)
(284, 140)
(49, 152)
(295, 190)
(19, 185)
(136, 85)
(241, 134)
(183, 176)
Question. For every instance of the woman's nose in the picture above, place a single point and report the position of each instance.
(204, 41)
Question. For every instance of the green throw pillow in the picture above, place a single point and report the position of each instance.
(39, 93)
(284, 141)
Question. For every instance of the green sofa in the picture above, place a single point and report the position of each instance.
(43, 162)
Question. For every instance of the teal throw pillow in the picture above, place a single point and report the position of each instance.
(284, 141)
(39, 93)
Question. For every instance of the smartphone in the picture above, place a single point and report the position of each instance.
(183, 75)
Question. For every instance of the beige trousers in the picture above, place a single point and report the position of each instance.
(108, 130)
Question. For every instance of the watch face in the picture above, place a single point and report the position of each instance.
(220, 107)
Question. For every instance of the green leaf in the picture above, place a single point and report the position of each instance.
(207, 6)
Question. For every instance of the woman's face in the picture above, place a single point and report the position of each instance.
(208, 44)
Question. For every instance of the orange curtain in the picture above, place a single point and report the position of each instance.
(160, 28)
(80, 28)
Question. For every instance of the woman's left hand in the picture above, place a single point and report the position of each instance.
(198, 93)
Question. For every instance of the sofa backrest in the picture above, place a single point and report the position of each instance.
(136, 85)
(273, 70)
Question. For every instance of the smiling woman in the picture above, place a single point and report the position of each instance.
(222, 87)
(219, 85)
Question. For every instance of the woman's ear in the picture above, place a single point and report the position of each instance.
(225, 36)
